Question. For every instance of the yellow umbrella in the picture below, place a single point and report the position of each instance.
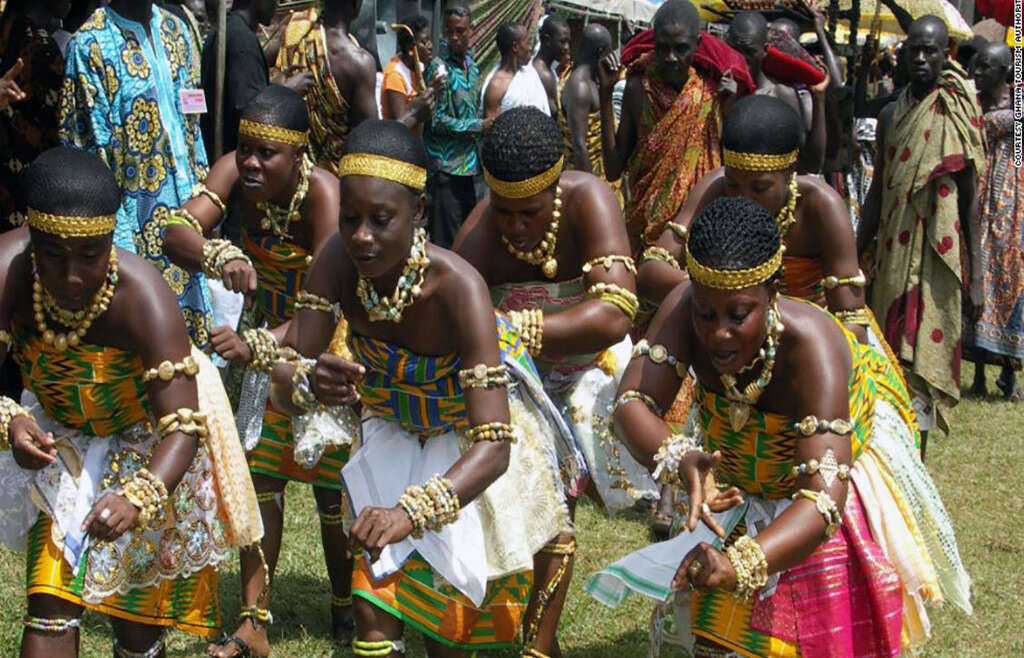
(958, 26)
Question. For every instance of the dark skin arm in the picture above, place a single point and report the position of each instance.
(356, 76)
(617, 146)
(902, 15)
(550, 85)
(496, 90)
(812, 155)
(967, 190)
(872, 212)
(576, 97)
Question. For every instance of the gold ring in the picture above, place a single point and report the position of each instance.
(705, 509)
(695, 569)
(105, 514)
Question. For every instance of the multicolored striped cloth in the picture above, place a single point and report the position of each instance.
(281, 268)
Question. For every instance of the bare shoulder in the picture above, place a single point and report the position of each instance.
(323, 182)
(12, 244)
(458, 281)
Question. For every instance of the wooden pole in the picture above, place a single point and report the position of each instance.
(218, 105)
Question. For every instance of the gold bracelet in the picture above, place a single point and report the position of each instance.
(217, 253)
(9, 410)
(313, 302)
(148, 493)
(678, 229)
(654, 252)
(812, 425)
(826, 507)
(530, 323)
(670, 455)
(858, 280)
(854, 316)
(608, 261)
(212, 196)
(186, 421)
(829, 468)
(625, 300)
(256, 614)
(496, 431)
(182, 217)
(263, 346)
(750, 565)
(483, 376)
(168, 370)
(302, 389)
(659, 355)
(631, 395)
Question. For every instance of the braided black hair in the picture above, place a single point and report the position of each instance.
(521, 143)
(733, 234)
(70, 181)
(279, 106)
(676, 12)
(417, 24)
(762, 124)
(387, 138)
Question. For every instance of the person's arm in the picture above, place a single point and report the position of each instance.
(446, 123)
(871, 213)
(860, 85)
(364, 85)
(576, 101)
(495, 91)
(596, 323)
(550, 86)
(617, 145)
(967, 192)
(904, 17)
(827, 210)
(10, 92)
(835, 72)
(812, 155)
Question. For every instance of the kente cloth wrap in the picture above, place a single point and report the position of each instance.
(468, 584)
(919, 264)
(583, 386)
(280, 270)
(92, 400)
(863, 592)
(594, 154)
(802, 276)
(305, 46)
(677, 144)
(997, 250)
(121, 100)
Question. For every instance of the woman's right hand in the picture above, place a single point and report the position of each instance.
(229, 345)
(333, 380)
(31, 447)
(696, 469)
(239, 275)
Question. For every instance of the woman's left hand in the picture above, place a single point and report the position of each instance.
(111, 517)
(377, 527)
(705, 567)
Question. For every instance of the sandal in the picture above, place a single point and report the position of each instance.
(243, 649)
(661, 525)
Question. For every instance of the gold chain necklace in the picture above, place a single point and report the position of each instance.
(739, 409)
(276, 218)
(410, 285)
(787, 216)
(43, 303)
(544, 253)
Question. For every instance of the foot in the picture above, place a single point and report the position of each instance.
(978, 390)
(248, 640)
(661, 525)
(343, 625)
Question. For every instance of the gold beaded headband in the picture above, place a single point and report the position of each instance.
(525, 188)
(758, 161)
(258, 130)
(732, 279)
(379, 166)
(71, 226)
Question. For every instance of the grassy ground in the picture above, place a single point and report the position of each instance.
(977, 469)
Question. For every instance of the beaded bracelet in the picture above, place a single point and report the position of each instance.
(530, 323)
(832, 282)
(826, 507)
(212, 196)
(186, 421)
(658, 354)
(632, 395)
(625, 300)
(812, 425)
(654, 252)
(302, 389)
(53, 625)
(148, 493)
(829, 468)
(168, 370)
(483, 376)
(608, 261)
(446, 502)
(313, 302)
(217, 253)
(750, 565)
(854, 316)
(9, 410)
(670, 455)
(496, 431)
(263, 346)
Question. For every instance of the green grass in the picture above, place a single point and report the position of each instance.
(978, 471)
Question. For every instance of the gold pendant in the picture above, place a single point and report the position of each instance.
(738, 415)
(550, 268)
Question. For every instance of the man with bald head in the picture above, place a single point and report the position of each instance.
(996, 332)
(581, 101)
(671, 121)
(930, 151)
(748, 34)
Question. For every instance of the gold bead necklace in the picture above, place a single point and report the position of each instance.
(43, 304)
(277, 219)
(544, 253)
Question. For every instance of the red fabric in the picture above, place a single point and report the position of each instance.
(788, 70)
(713, 58)
(1001, 10)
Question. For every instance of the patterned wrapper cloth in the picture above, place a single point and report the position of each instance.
(93, 400)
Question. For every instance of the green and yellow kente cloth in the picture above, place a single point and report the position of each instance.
(280, 270)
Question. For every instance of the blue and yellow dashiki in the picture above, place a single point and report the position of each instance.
(453, 131)
(121, 100)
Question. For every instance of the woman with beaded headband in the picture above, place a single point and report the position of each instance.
(123, 473)
(553, 249)
(289, 209)
(760, 142)
(813, 528)
(455, 418)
